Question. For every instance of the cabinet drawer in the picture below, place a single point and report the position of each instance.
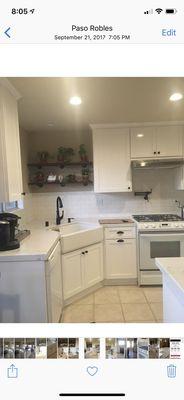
(120, 232)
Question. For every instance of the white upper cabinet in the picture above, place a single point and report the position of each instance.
(156, 142)
(143, 142)
(111, 153)
(169, 141)
(10, 158)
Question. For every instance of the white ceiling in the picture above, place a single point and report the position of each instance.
(104, 100)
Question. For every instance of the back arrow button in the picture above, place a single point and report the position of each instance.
(7, 33)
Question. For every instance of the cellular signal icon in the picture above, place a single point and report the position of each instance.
(148, 11)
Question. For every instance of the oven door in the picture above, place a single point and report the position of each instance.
(157, 245)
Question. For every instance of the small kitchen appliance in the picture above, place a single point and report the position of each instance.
(8, 226)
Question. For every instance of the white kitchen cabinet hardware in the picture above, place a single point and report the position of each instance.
(156, 142)
(111, 154)
(10, 158)
(82, 269)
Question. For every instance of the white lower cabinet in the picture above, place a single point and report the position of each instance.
(120, 257)
(31, 291)
(93, 265)
(82, 269)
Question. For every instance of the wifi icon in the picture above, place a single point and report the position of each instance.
(159, 10)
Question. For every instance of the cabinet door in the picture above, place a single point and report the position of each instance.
(72, 273)
(143, 142)
(179, 178)
(54, 285)
(10, 160)
(169, 141)
(121, 259)
(93, 265)
(112, 169)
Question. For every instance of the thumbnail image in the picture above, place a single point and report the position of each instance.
(175, 348)
(164, 351)
(143, 348)
(131, 348)
(115, 348)
(20, 348)
(52, 344)
(1, 348)
(41, 348)
(92, 348)
(154, 348)
(9, 348)
(68, 348)
(30, 348)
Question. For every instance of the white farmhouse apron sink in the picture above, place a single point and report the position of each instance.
(76, 235)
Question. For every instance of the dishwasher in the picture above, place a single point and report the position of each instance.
(54, 285)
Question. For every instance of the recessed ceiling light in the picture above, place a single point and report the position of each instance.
(140, 135)
(50, 124)
(143, 164)
(75, 101)
(176, 97)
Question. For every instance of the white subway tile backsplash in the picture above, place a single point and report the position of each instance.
(42, 206)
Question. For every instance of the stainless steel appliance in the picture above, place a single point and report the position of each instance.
(8, 226)
(159, 235)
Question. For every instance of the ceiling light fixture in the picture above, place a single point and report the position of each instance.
(140, 135)
(176, 97)
(75, 100)
(143, 164)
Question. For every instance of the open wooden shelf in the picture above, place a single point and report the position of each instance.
(61, 165)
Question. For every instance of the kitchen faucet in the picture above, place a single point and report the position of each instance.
(181, 206)
(59, 204)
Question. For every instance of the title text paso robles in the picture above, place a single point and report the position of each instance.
(94, 28)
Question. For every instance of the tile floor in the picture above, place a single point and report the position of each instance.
(117, 304)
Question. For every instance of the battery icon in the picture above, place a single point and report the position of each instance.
(170, 11)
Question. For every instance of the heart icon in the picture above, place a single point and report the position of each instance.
(92, 370)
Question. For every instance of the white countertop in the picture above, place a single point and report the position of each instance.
(37, 246)
(174, 268)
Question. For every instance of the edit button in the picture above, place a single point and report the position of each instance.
(168, 32)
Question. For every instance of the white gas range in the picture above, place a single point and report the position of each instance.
(159, 235)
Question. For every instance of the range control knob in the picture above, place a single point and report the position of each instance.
(176, 225)
(146, 226)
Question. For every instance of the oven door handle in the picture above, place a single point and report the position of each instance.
(170, 234)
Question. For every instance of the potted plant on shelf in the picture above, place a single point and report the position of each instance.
(85, 176)
(83, 154)
(43, 156)
(65, 154)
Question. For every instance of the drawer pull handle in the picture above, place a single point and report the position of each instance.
(120, 241)
(120, 233)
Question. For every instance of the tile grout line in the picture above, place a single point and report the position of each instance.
(124, 320)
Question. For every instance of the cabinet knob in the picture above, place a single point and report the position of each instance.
(23, 193)
(83, 252)
(158, 152)
(120, 241)
(128, 187)
(154, 152)
(86, 251)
